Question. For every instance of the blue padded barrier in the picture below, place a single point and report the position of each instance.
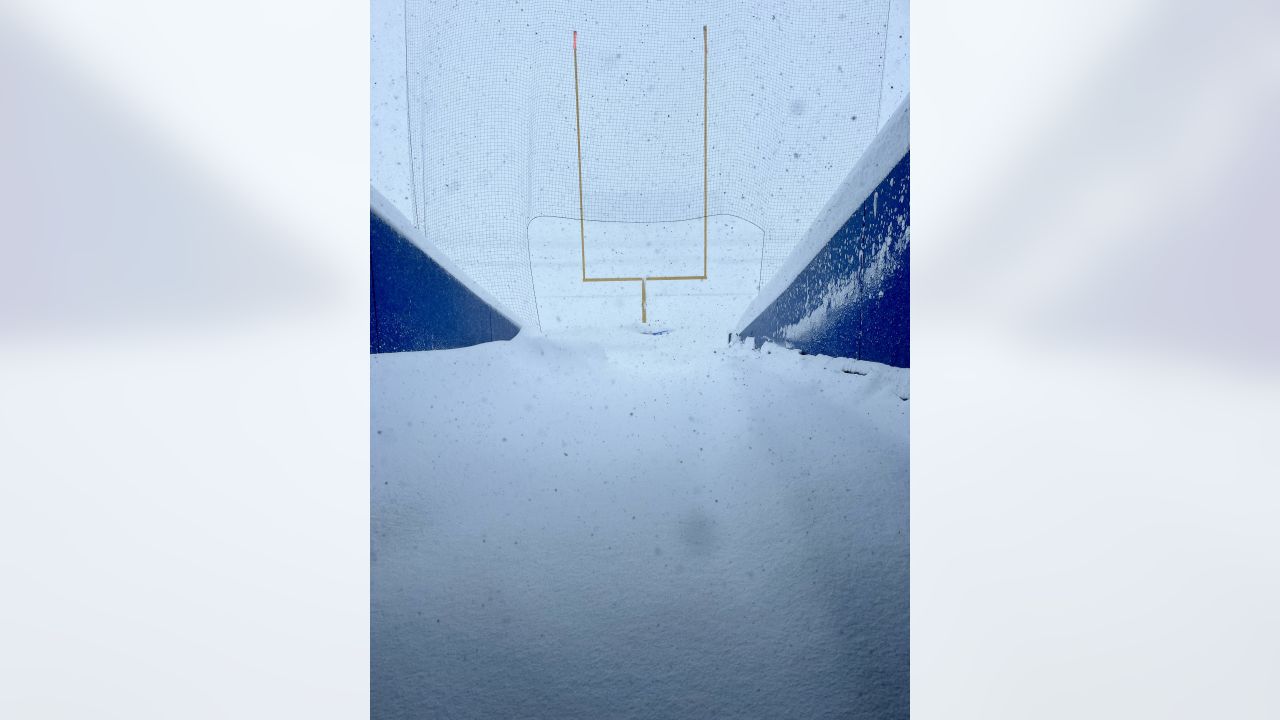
(850, 296)
(421, 302)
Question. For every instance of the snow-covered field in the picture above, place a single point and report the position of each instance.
(608, 524)
(596, 522)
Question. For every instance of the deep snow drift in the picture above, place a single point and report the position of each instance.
(604, 523)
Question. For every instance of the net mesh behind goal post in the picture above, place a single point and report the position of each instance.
(794, 99)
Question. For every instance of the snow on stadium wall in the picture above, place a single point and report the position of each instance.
(793, 94)
(845, 291)
(418, 299)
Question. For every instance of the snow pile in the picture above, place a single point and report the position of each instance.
(610, 524)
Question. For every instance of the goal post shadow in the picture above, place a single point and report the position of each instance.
(582, 217)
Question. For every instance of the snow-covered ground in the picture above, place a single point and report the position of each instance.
(605, 523)
(598, 522)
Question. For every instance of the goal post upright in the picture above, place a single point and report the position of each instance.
(577, 117)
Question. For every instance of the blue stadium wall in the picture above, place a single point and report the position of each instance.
(853, 298)
(415, 303)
